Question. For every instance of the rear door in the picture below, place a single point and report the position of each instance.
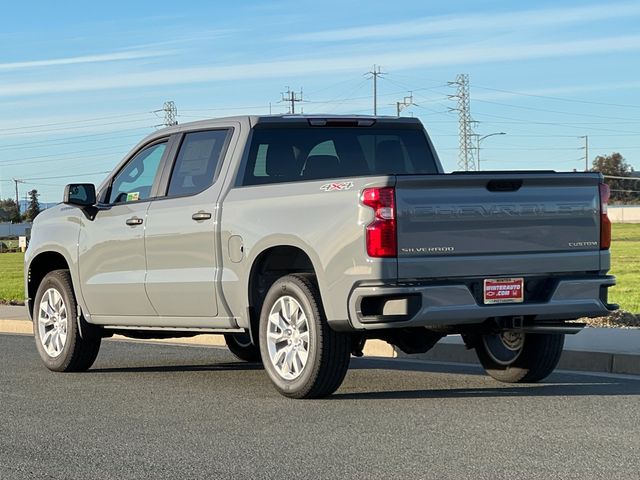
(181, 240)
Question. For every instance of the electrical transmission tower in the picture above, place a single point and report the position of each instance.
(375, 73)
(466, 160)
(291, 98)
(170, 113)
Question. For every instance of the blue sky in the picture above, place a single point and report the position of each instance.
(79, 81)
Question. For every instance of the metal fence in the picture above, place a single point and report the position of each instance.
(624, 213)
(15, 229)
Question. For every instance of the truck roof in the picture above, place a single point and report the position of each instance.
(287, 118)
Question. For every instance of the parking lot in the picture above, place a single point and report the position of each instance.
(163, 411)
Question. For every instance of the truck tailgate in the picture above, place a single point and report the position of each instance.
(497, 223)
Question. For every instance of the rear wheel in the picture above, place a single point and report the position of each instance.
(242, 348)
(302, 355)
(59, 341)
(517, 357)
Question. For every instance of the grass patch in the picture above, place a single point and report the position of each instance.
(625, 265)
(11, 277)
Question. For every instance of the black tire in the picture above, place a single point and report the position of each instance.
(537, 359)
(240, 345)
(79, 351)
(328, 351)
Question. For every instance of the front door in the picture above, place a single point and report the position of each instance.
(112, 260)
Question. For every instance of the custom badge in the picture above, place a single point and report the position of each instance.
(336, 186)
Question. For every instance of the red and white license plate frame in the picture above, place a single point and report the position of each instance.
(503, 290)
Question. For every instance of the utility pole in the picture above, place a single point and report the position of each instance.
(291, 98)
(375, 73)
(586, 152)
(170, 113)
(406, 102)
(465, 130)
(17, 181)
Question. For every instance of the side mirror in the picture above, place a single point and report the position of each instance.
(80, 194)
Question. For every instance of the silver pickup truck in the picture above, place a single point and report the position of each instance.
(301, 237)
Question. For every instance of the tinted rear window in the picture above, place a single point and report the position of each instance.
(197, 161)
(286, 154)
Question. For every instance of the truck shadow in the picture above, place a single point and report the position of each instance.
(214, 367)
(559, 384)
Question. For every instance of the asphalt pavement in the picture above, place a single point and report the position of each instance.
(164, 411)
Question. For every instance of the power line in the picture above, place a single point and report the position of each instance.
(64, 176)
(55, 143)
(17, 161)
(84, 120)
(560, 99)
(49, 130)
(82, 157)
(561, 124)
(631, 120)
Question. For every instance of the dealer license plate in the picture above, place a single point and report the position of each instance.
(503, 290)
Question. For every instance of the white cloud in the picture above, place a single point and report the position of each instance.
(511, 21)
(393, 60)
(100, 58)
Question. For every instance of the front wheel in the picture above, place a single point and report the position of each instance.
(302, 355)
(61, 345)
(518, 357)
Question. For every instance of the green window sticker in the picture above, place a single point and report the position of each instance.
(133, 196)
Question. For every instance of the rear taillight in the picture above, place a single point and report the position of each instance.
(605, 223)
(381, 233)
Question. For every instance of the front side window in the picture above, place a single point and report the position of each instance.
(135, 181)
(195, 167)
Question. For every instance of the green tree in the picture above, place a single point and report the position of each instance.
(34, 206)
(622, 191)
(11, 209)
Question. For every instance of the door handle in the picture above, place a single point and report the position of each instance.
(199, 216)
(133, 221)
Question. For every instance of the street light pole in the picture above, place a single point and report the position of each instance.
(480, 139)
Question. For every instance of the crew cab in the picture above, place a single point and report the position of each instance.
(299, 238)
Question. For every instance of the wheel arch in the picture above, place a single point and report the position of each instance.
(270, 264)
(39, 266)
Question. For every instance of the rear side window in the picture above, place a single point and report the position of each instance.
(197, 162)
(286, 154)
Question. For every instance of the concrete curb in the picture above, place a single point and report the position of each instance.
(593, 350)
(570, 360)
(374, 348)
(608, 350)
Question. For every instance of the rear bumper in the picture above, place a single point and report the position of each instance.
(415, 305)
